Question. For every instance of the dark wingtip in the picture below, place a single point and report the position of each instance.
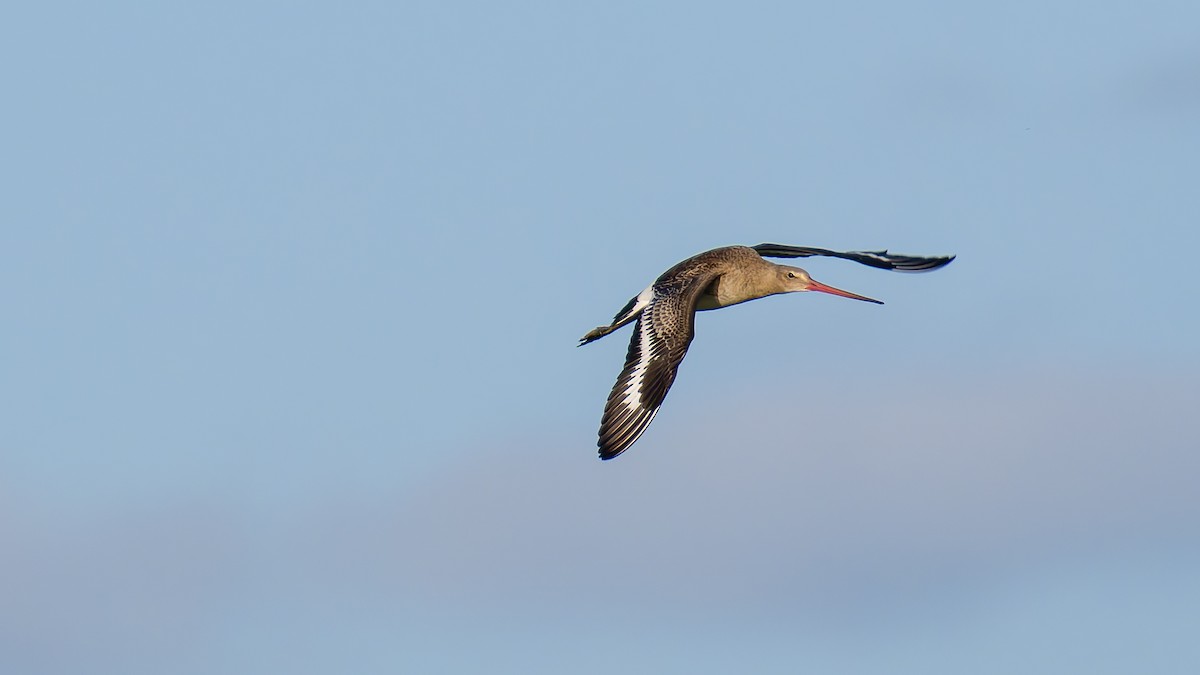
(610, 450)
(607, 454)
(941, 261)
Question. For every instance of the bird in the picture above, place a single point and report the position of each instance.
(664, 317)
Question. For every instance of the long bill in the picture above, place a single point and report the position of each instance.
(818, 286)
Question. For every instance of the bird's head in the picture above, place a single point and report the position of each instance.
(793, 280)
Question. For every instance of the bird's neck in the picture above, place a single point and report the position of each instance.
(729, 289)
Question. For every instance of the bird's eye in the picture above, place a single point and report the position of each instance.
(791, 275)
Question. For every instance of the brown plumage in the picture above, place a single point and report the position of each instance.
(665, 315)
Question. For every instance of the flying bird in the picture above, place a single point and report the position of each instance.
(665, 315)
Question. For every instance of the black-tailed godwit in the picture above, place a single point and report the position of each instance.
(666, 316)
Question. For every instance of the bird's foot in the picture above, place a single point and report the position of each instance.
(594, 334)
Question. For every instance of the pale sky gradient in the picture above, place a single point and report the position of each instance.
(288, 378)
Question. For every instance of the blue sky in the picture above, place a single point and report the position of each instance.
(292, 293)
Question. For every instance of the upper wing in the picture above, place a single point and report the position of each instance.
(880, 259)
(660, 340)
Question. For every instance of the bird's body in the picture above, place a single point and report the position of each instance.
(665, 320)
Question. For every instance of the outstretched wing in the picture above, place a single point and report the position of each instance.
(880, 259)
(661, 336)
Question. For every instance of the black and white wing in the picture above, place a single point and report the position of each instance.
(880, 259)
(664, 329)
